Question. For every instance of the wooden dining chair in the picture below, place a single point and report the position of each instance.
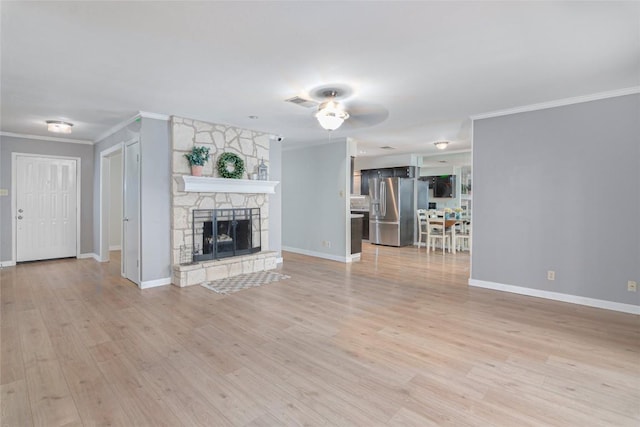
(463, 239)
(437, 231)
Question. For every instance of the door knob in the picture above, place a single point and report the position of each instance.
(125, 219)
(20, 211)
(19, 216)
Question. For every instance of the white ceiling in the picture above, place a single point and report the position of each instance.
(430, 65)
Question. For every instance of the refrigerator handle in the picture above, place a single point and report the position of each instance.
(383, 198)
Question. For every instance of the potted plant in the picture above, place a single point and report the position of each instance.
(197, 158)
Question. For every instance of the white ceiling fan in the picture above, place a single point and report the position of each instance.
(335, 107)
(330, 113)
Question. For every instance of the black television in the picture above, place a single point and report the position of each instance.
(444, 186)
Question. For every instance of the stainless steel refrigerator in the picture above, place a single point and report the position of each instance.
(391, 211)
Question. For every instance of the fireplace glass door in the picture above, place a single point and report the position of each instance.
(222, 233)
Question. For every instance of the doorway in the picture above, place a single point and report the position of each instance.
(46, 205)
(119, 206)
(131, 213)
(108, 158)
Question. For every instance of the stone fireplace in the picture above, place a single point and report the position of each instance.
(195, 257)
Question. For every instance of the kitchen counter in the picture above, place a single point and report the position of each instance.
(357, 215)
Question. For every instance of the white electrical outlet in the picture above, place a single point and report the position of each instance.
(632, 286)
(551, 275)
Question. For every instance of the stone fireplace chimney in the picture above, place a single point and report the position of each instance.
(212, 192)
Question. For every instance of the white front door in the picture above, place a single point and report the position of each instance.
(131, 216)
(46, 208)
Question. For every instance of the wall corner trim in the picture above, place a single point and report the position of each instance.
(89, 255)
(125, 123)
(156, 116)
(116, 128)
(556, 296)
(155, 283)
(46, 138)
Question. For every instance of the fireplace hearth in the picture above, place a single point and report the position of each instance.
(223, 233)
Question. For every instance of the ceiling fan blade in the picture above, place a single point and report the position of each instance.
(363, 114)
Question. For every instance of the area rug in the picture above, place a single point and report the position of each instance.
(244, 281)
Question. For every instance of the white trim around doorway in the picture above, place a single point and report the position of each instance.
(14, 188)
(104, 155)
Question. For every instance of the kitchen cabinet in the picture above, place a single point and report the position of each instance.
(365, 223)
(399, 172)
(364, 181)
(357, 184)
(404, 172)
(356, 234)
(365, 226)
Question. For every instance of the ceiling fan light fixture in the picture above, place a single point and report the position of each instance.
(58, 126)
(441, 145)
(330, 115)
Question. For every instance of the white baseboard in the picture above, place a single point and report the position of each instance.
(155, 283)
(315, 254)
(354, 257)
(279, 260)
(115, 248)
(556, 296)
(4, 264)
(89, 255)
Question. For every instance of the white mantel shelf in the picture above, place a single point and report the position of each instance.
(206, 184)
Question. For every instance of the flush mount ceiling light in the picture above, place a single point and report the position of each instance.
(58, 126)
(441, 145)
(330, 114)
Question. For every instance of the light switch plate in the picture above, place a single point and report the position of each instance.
(4, 192)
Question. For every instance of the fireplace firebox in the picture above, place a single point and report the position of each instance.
(222, 233)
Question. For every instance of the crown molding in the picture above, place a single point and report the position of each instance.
(116, 128)
(125, 123)
(558, 103)
(156, 116)
(46, 138)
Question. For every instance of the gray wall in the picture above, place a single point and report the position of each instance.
(559, 189)
(275, 200)
(155, 193)
(10, 145)
(315, 199)
(127, 133)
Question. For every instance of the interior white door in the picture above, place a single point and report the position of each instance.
(46, 208)
(131, 215)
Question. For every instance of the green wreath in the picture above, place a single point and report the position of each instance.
(230, 166)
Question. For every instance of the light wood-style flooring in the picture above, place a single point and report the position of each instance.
(396, 339)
